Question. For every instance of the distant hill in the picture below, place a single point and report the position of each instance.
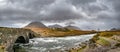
(56, 31)
(35, 25)
(72, 27)
(55, 26)
(115, 29)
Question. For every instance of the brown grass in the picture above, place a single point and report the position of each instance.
(59, 32)
(109, 33)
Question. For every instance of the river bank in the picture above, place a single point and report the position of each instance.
(102, 42)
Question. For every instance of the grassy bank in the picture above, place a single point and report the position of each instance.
(102, 42)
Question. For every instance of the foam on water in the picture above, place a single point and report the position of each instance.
(55, 43)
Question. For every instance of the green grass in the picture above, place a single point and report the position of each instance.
(103, 42)
(2, 49)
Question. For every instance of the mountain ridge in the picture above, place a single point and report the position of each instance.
(35, 25)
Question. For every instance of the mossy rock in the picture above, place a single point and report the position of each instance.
(19, 49)
(82, 49)
(78, 50)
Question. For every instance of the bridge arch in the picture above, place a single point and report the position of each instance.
(30, 35)
(20, 39)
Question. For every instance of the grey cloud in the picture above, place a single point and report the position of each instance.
(70, 23)
(31, 3)
(116, 8)
(115, 4)
(94, 8)
(22, 9)
(61, 11)
(14, 14)
(106, 16)
(93, 13)
(80, 2)
(30, 10)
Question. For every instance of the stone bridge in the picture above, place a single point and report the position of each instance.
(10, 36)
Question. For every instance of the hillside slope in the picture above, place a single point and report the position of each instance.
(44, 31)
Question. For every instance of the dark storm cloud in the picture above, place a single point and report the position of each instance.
(22, 9)
(60, 11)
(38, 10)
(95, 13)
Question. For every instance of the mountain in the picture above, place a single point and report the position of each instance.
(72, 27)
(59, 31)
(35, 25)
(55, 26)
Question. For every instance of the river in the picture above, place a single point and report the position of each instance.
(53, 44)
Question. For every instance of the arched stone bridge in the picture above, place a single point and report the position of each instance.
(10, 36)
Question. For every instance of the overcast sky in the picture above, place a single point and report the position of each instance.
(86, 14)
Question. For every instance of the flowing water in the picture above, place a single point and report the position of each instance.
(53, 44)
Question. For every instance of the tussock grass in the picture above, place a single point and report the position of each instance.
(109, 33)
